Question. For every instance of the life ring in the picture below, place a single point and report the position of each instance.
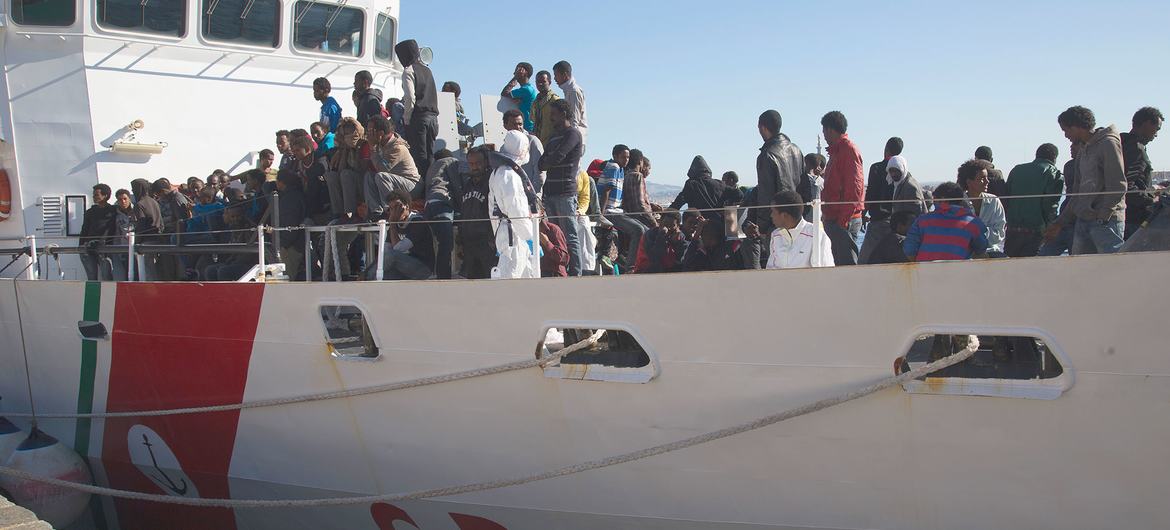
(5, 196)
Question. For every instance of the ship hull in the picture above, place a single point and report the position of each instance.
(1087, 449)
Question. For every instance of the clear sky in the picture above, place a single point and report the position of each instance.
(682, 78)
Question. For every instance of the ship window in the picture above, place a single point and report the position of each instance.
(1022, 366)
(384, 39)
(328, 28)
(254, 22)
(158, 17)
(617, 356)
(44, 12)
(347, 333)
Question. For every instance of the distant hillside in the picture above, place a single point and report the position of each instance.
(662, 194)
(1160, 176)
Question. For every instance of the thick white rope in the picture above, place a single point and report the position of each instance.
(337, 394)
(958, 357)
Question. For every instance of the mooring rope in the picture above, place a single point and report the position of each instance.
(337, 394)
(958, 357)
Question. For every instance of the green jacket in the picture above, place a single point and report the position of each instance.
(1039, 177)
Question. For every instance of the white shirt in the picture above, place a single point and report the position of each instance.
(576, 98)
(794, 249)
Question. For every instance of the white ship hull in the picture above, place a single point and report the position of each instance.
(1087, 449)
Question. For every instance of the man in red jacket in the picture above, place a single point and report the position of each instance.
(844, 189)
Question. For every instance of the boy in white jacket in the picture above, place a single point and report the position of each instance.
(797, 243)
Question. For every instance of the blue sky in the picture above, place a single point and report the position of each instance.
(685, 78)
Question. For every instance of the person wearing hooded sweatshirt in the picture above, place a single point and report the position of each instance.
(702, 192)
(420, 99)
(347, 168)
(1098, 216)
(516, 239)
(902, 187)
(778, 167)
(367, 99)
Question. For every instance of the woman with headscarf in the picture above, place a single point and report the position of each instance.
(908, 196)
(508, 200)
(905, 186)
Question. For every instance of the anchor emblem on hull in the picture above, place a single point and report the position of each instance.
(152, 456)
(175, 488)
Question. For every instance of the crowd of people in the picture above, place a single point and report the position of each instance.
(533, 206)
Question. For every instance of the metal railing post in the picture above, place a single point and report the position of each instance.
(818, 254)
(260, 275)
(308, 256)
(276, 224)
(33, 264)
(130, 257)
(379, 272)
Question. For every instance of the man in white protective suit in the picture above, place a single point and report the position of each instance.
(508, 200)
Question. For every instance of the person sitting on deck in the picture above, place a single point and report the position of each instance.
(391, 165)
(554, 257)
(663, 246)
(889, 248)
(950, 232)
(231, 267)
(410, 251)
(796, 243)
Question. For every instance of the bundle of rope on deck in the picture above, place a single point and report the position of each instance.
(865, 390)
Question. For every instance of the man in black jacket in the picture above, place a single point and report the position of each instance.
(420, 98)
(778, 168)
(1147, 121)
(877, 189)
(98, 227)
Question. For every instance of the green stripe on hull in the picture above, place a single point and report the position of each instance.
(91, 311)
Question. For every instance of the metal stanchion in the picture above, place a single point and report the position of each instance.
(130, 257)
(33, 264)
(260, 275)
(379, 273)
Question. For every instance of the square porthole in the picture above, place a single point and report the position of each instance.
(618, 356)
(347, 332)
(1007, 365)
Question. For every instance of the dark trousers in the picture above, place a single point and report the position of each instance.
(478, 259)
(420, 134)
(442, 229)
(1022, 242)
(844, 241)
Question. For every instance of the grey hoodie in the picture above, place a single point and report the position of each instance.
(1100, 168)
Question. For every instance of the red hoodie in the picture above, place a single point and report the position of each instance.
(844, 183)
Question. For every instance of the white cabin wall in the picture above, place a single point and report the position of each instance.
(72, 90)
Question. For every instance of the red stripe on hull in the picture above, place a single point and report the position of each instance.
(168, 353)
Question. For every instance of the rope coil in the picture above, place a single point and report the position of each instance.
(953, 359)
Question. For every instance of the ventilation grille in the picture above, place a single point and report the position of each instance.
(53, 216)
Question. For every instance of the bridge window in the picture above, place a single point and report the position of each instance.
(384, 39)
(156, 17)
(253, 22)
(328, 28)
(44, 12)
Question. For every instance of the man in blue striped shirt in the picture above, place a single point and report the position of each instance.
(609, 187)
